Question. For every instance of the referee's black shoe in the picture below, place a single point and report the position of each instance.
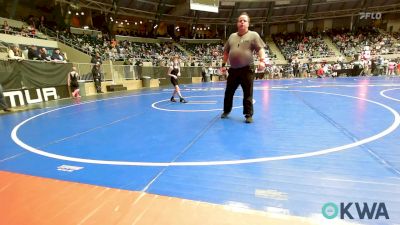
(224, 115)
(249, 119)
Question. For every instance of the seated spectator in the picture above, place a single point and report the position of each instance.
(31, 31)
(302, 45)
(42, 23)
(43, 55)
(31, 22)
(113, 43)
(6, 27)
(33, 53)
(31, 26)
(15, 53)
(24, 31)
(57, 55)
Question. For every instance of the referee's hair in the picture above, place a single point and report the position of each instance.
(245, 14)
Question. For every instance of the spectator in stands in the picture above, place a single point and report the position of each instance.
(340, 60)
(379, 65)
(366, 54)
(366, 67)
(258, 74)
(24, 31)
(96, 59)
(386, 66)
(398, 67)
(318, 70)
(138, 68)
(3, 104)
(302, 45)
(42, 23)
(306, 70)
(31, 31)
(6, 28)
(96, 73)
(31, 22)
(174, 71)
(113, 43)
(327, 69)
(357, 65)
(289, 71)
(127, 68)
(374, 70)
(239, 50)
(33, 53)
(391, 65)
(210, 71)
(57, 55)
(31, 26)
(275, 71)
(43, 54)
(203, 73)
(15, 53)
(73, 84)
(336, 67)
(296, 65)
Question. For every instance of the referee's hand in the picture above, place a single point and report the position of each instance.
(223, 68)
(261, 66)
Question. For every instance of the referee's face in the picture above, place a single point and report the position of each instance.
(243, 24)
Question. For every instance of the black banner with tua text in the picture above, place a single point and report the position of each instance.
(26, 82)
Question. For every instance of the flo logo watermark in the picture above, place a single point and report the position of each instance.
(351, 210)
(368, 15)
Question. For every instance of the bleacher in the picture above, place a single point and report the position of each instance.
(122, 54)
(303, 46)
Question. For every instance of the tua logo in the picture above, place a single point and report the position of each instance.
(364, 211)
(43, 94)
(367, 15)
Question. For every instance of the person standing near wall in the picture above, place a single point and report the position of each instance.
(96, 73)
(73, 84)
(96, 59)
(3, 104)
(203, 73)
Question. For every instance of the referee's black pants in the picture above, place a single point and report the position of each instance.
(243, 76)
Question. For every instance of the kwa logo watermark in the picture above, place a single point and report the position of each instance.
(350, 210)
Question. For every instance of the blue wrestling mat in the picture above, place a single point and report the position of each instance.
(313, 142)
